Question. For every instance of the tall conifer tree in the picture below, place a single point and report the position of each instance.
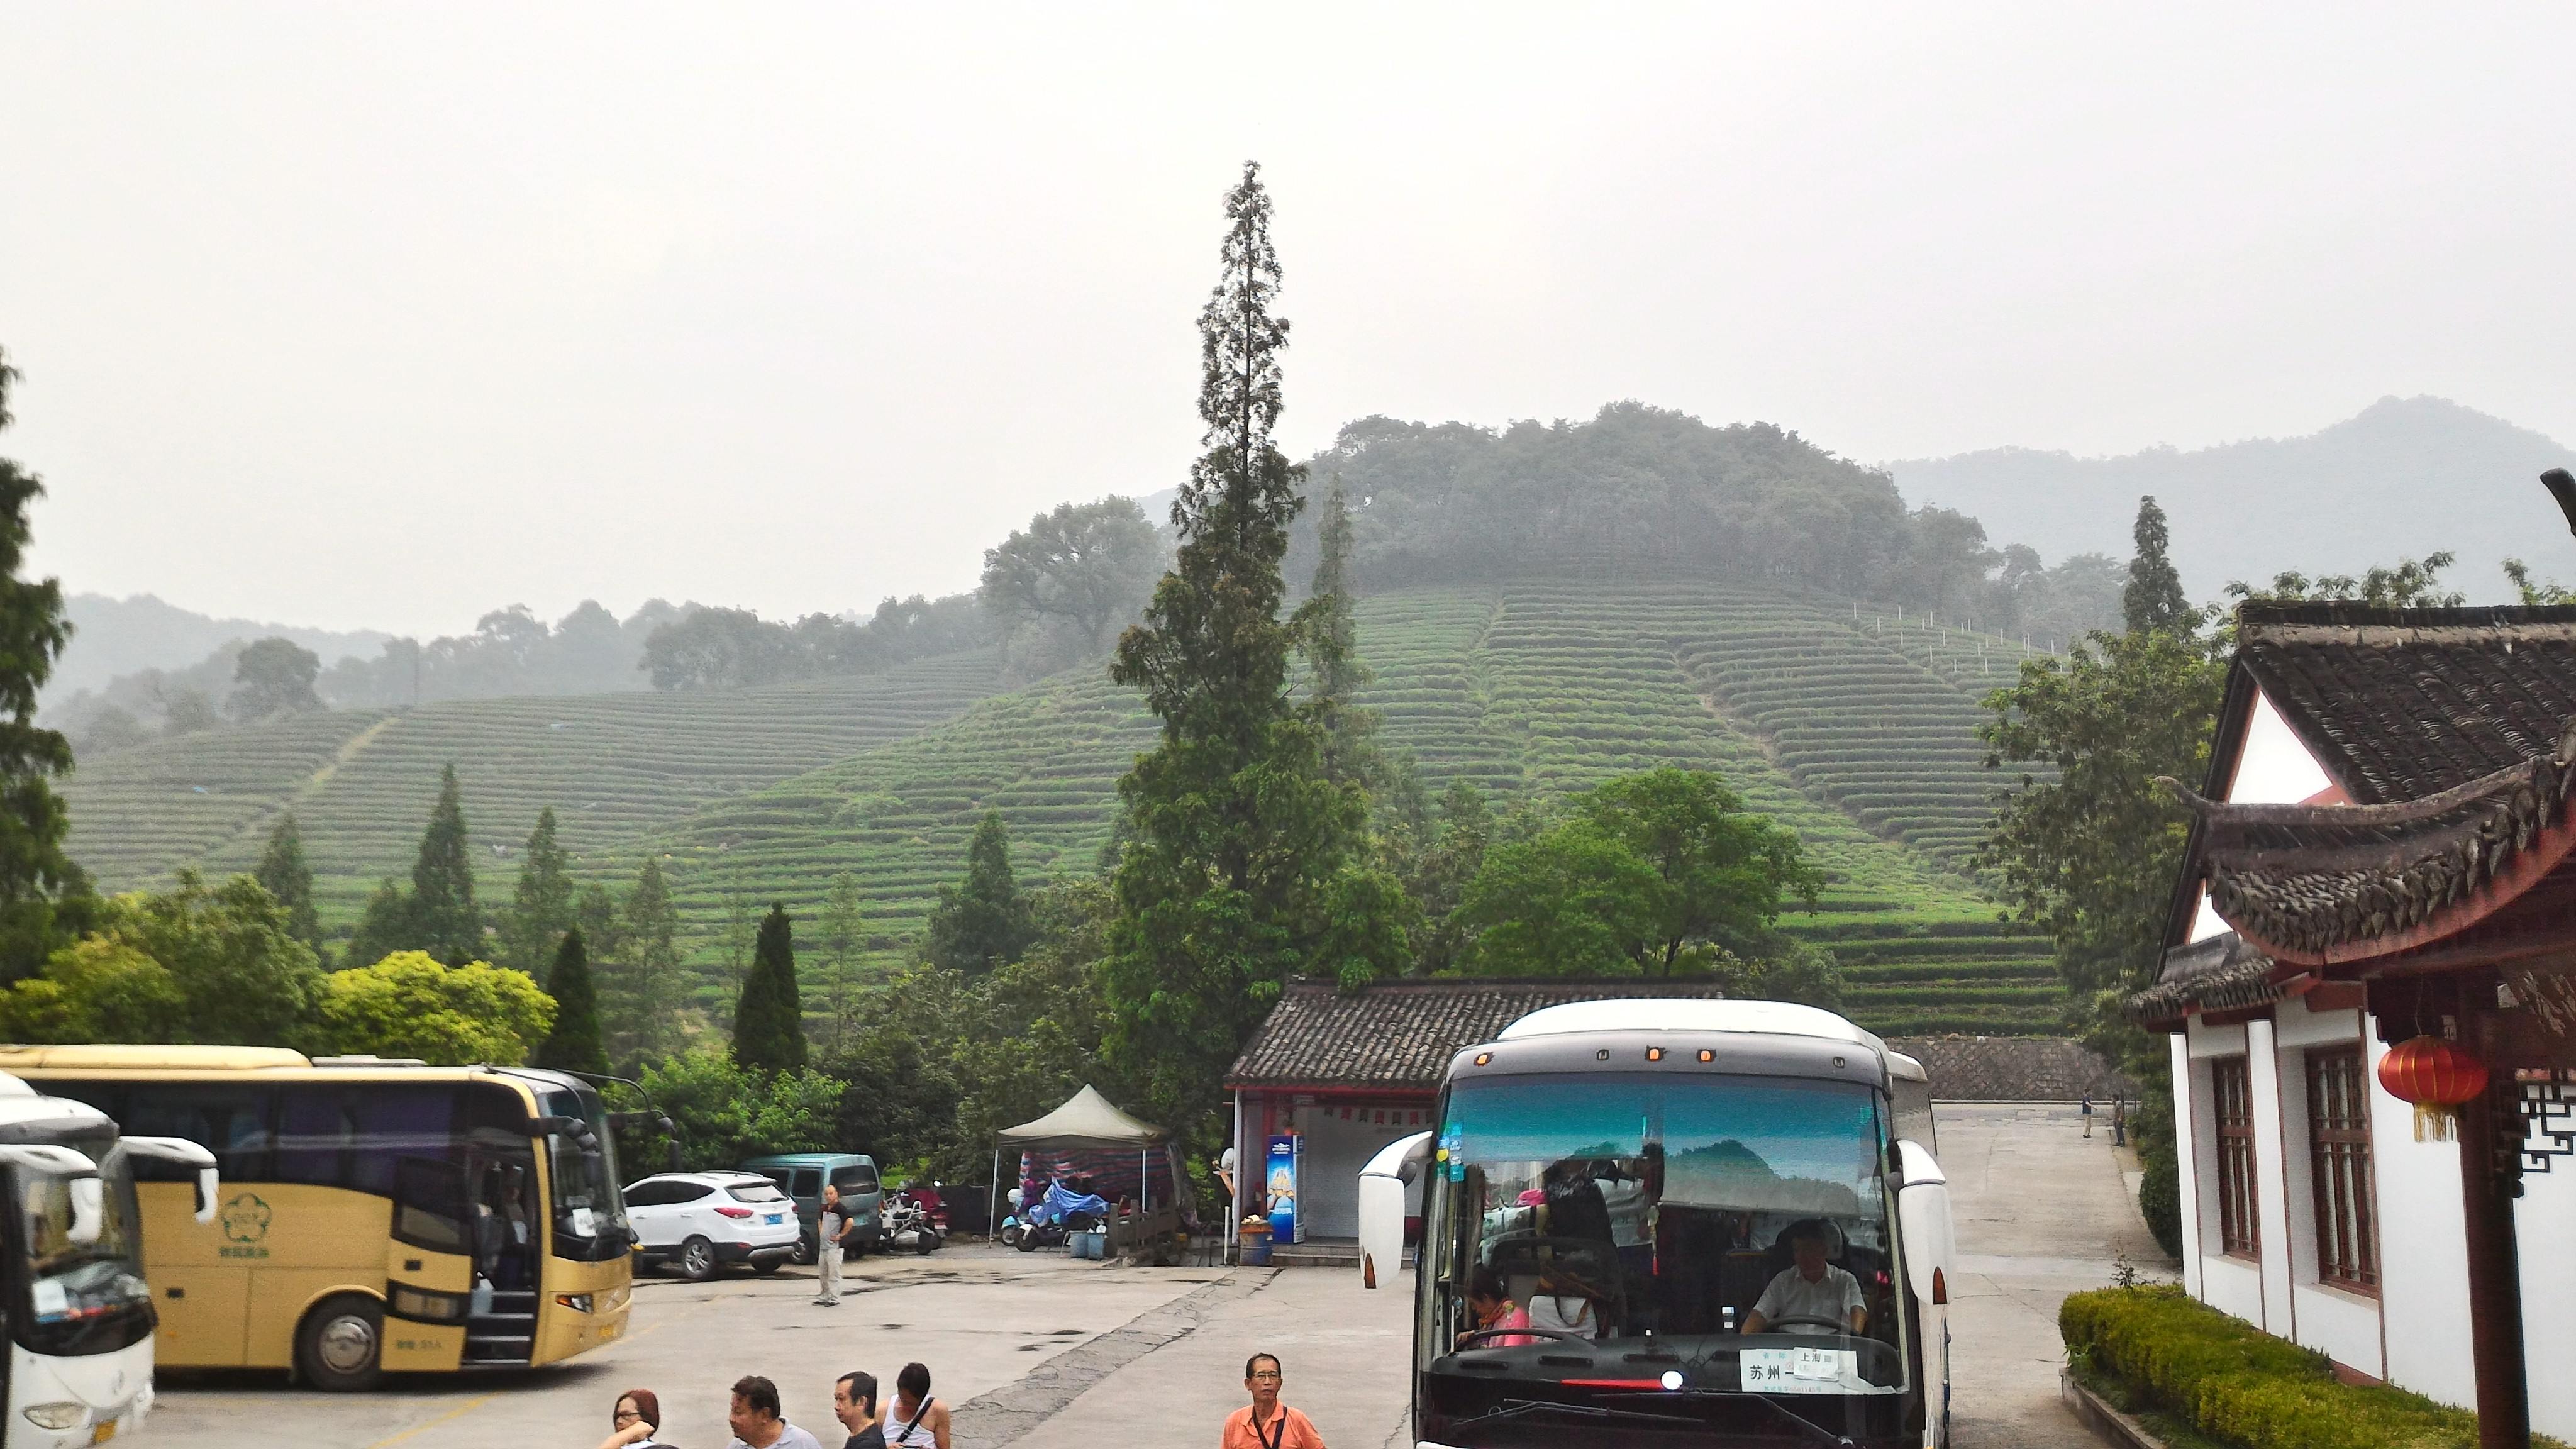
(36, 877)
(1236, 831)
(983, 921)
(574, 1044)
(2153, 599)
(541, 907)
(842, 923)
(645, 994)
(443, 919)
(1330, 635)
(769, 1020)
(282, 869)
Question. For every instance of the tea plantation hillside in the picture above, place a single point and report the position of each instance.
(1826, 717)
(614, 766)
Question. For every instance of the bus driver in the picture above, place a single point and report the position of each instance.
(1810, 1291)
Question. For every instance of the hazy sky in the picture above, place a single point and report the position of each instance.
(349, 315)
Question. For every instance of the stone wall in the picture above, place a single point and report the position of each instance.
(2012, 1069)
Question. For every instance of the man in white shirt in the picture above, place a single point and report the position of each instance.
(1810, 1291)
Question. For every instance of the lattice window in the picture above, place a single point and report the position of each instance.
(2339, 1169)
(2232, 1093)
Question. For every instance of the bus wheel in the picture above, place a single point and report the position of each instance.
(697, 1260)
(339, 1346)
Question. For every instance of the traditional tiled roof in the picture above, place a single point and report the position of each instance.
(1400, 1035)
(2308, 878)
(2221, 973)
(2398, 704)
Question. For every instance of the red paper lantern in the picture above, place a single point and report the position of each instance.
(2437, 1077)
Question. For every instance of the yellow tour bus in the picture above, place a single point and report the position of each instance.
(376, 1215)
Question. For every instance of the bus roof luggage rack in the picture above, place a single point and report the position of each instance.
(368, 1061)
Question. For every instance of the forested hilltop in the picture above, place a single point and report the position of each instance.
(1640, 487)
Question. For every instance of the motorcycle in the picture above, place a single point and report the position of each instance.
(1056, 1216)
(904, 1223)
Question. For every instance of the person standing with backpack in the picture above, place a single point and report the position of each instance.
(829, 1224)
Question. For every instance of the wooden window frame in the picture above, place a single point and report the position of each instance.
(2340, 1170)
(2231, 1098)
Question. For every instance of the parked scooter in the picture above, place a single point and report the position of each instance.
(1056, 1216)
(905, 1223)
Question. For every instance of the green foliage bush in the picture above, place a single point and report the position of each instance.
(726, 1113)
(411, 1005)
(2241, 1385)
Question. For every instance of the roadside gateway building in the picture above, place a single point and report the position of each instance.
(2371, 981)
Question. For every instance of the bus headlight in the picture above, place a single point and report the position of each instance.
(577, 1302)
(58, 1415)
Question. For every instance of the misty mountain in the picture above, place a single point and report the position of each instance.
(124, 636)
(2405, 478)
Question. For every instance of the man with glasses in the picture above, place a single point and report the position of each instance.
(1266, 1423)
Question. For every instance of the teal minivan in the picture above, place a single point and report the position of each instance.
(801, 1176)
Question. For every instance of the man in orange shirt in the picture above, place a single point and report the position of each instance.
(1266, 1423)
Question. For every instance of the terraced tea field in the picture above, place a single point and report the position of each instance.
(614, 766)
(1853, 730)
(1539, 684)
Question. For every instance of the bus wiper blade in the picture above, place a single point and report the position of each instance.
(1514, 1408)
(1821, 1434)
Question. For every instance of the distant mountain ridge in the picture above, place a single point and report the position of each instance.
(112, 636)
(2403, 478)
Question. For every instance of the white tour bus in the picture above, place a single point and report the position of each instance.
(80, 1319)
(1674, 1223)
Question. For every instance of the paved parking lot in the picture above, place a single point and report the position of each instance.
(1046, 1353)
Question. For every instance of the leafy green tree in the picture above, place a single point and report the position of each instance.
(1658, 872)
(843, 923)
(1436, 873)
(274, 677)
(574, 1043)
(1063, 588)
(2154, 598)
(769, 1020)
(2533, 591)
(982, 921)
(725, 1112)
(187, 712)
(201, 964)
(36, 877)
(1723, 876)
(412, 1005)
(283, 871)
(443, 919)
(541, 906)
(644, 989)
(1568, 902)
(1235, 828)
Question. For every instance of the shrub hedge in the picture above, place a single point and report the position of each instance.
(2242, 1386)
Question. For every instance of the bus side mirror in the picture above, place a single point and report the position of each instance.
(573, 1127)
(185, 1153)
(1923, 1217)
(89, 1212)
(1382, 1185)
(210, 1186)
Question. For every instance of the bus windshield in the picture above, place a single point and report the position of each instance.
(1741, 1222)
(76, 1298)
(589, 1211)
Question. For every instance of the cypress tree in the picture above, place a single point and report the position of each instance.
(645, 989)
(383, 928)
(283, 871)
(574, 1044)
(443, 919)
(983, 921)
(2153, 599)
(36, 877)
(768, 1020)
(1235, 830)
(1330, 637)
(541, 908)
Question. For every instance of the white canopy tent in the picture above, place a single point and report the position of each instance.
(1086, 1120)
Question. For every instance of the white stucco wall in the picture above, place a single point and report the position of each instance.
(2544, 1223)
(2339, 1323)
(2423, 1268)
(2187, 1163)
(2230, 1285)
